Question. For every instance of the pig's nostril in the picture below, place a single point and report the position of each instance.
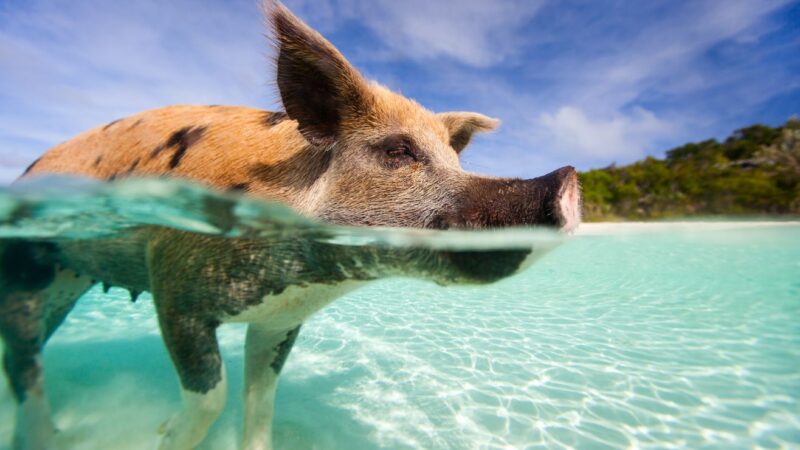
(569, 202)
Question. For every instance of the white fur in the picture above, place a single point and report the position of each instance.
(294, 305)
(188, 428)
(260, 381)
(34, 428)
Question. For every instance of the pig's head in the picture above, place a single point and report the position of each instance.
(381, 159)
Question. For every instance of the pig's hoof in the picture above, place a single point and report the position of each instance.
(34, 429)
(42, 438)
(165, 426)
(179, 434)
(167, 431)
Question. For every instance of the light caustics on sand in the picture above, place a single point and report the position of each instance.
(649, 336)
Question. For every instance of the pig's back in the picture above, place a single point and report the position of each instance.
(215, 145)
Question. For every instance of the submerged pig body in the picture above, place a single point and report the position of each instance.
(344, 151)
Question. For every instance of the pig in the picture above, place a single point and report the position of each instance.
(345, 151)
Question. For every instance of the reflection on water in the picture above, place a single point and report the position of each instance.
(656, 337)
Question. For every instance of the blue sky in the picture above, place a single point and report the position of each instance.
(577, 82)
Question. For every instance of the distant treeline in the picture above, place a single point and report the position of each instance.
(756, 171)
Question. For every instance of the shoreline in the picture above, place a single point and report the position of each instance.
(606, 228)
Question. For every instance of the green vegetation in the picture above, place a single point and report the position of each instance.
(756, 171)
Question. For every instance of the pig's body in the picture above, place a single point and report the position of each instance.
(345, 151)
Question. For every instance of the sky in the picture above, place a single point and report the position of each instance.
(580, 82)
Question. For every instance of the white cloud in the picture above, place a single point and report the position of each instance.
(620, 137)
(591, 113)
(473, 32)
(668, 49)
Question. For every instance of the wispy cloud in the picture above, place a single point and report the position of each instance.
(472, 32)
(622, 136)
(652, 84)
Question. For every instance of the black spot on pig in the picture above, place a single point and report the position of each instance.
(30, 167)
(282, 350)
(181, 140)
(273, 118)
(134, 165)
(239, 187)
(111, 124)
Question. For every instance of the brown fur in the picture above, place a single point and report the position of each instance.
(234, 139)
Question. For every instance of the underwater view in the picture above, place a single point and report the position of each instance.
(666, 335)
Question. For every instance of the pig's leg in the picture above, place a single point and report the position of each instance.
(21, 326)
(192, 344)
(35, 296)
(266, 351)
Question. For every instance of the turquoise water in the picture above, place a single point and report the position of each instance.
(646, 336)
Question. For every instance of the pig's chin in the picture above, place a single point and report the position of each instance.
(481, 267)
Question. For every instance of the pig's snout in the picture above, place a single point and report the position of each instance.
(550, 200)
(565, 204)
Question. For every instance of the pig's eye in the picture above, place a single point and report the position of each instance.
(397, 151)
(401, 151)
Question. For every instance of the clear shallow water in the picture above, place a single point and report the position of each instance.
(649, 337)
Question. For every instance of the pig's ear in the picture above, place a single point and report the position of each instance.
(318, 87)
(462, 125)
